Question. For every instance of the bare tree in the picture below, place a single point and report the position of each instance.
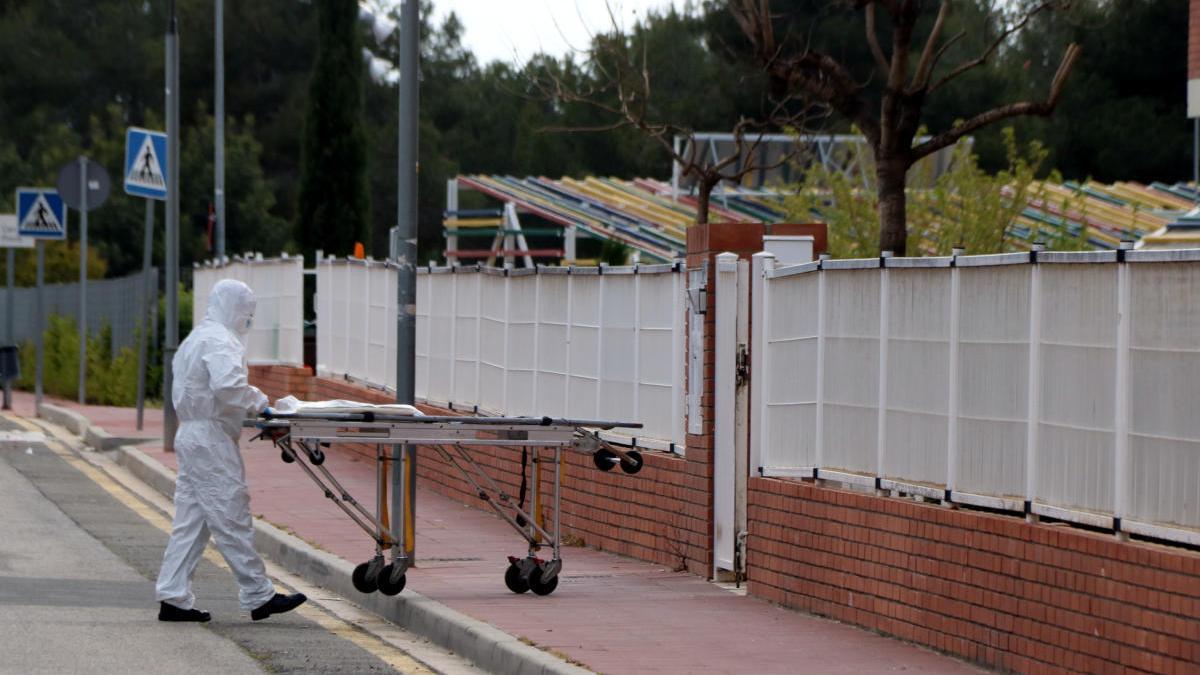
(891, 122)
(620, 88)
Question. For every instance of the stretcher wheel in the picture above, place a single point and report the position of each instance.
(318, 457)
(512, 579)
(286, 456)
(604, 459)
(385, 582)
(634, 465)
(539, 588)
(362, 582)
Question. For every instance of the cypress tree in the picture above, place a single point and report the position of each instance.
(333, 205)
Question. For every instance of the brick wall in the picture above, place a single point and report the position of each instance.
(659, 515)
(279, 381)
(990, 588)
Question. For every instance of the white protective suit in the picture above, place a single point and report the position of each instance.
(212, 397)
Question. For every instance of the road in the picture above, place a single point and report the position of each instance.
(78, 559)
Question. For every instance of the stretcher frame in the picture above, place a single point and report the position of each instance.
(301, 435)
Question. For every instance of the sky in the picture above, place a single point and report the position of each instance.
(514, 30)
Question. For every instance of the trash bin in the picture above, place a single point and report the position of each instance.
(10, 365)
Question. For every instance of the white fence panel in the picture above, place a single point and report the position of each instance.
(918, 376)
(1164, 443)
(277, 336)
(381, 326)
(790, 385)
(468, 298)
(493, 336)
(659, 353)
(424, 298)
(441, 335)
(851, 392)
(554, 342)
(583, 363)
(521, 350)
(993, 380)
(1075, 460)
(618, 357)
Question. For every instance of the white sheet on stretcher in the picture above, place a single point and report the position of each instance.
(291, 404)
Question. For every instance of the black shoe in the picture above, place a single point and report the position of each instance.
(169, 612)
(278, 605)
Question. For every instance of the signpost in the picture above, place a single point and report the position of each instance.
(145, 176)
(10, 240)
(41, 214)
(83, 185)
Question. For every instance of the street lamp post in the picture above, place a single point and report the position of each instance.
(219, 131)
(171, 256)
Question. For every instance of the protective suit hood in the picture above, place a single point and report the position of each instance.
(231, 303)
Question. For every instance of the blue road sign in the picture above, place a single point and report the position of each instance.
(146, 163)
(41, 214)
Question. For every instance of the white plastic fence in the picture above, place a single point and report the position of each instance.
(919, 375)
(277, 335)
(356, 320)
(580, 344)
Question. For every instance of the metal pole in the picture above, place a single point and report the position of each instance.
(9, 311)
(406, 216)
(1196, 154)
(406, 233)
(172, 240)
(83, 244)
(40, 326)
(219, 122)
(144, 315)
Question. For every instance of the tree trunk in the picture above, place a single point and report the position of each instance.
(893, 221)
(703, 195)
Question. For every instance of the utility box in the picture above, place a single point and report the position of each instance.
(10, 365)
(789, 249)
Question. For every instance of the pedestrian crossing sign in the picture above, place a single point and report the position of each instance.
(41, 214)
(146, 163)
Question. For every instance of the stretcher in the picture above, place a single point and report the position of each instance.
(301, 430)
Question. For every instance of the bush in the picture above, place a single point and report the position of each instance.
(111, 379)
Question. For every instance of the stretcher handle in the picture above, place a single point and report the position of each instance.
(369, 416)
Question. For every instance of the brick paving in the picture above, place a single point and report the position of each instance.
(613, 614)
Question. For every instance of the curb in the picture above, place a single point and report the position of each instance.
(81, 426)
(483, 644)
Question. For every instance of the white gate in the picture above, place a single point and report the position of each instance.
(729, 434)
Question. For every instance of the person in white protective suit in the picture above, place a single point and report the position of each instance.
(212, 397)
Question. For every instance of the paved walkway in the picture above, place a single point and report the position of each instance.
(611, 614)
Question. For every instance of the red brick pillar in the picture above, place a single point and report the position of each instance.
(704, 243)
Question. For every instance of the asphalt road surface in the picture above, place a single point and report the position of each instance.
(78, 559)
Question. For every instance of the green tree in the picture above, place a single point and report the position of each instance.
(967, 206)
(1124, 117)
(251, 224)
(333, 205)
(908, 75)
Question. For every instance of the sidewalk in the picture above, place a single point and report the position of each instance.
(611, 614)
